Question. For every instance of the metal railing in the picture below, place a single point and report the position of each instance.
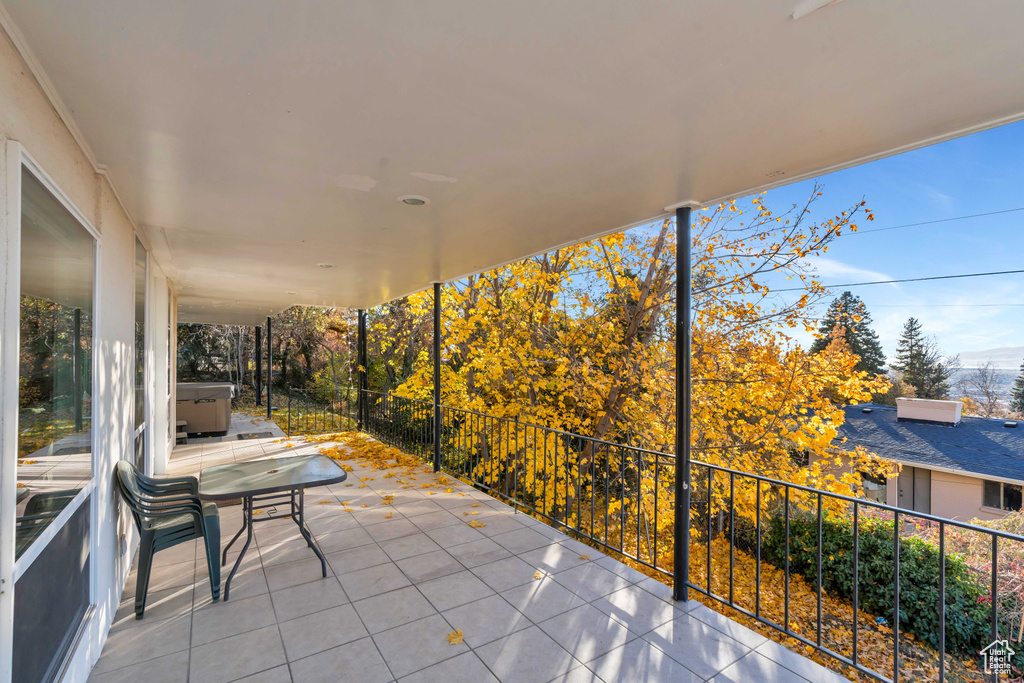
(305, 414)
(620, 497)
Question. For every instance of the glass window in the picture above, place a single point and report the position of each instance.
(1011, 497)
(140, 355)
(874, 487)
(992, 496)
(55, 384)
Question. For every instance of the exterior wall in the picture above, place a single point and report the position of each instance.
(954, 496)
(958, 497)
(27, 117)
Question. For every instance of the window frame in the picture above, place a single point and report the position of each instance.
(1002, 495)
(19, 161)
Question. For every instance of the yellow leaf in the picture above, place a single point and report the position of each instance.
(321, 502)
(388, 516)
(449, 490)
(538, 576)
(475, 524)
(475, 505)
(584, 557)
(455, 637)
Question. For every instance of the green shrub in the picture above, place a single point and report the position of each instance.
(967, 614)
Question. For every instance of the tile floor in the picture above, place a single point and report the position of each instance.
(400, 578)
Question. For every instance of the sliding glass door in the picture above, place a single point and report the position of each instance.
(52, 590)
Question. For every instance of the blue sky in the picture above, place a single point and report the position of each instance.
(976, 174)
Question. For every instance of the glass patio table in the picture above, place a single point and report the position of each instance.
(271, 483)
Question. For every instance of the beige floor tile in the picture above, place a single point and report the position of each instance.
(478, 552)
(279, 674)
(293, 573)
(357, 662)
(168, 669)
(173, 602)
(224, 619)
(409, 546)
(505, 573)
(589, 581)
(372, 581)
(637, 609)
(586, 632)
(393, 528)
(454, 590)
(307, 598)
(430, 566)
(415, 646)
(543, 599)
(637, 661)
(397, 607)
(527, 656)
(465, 668)
(235, 657)
(486, 619)
(457, 534)
(144, 640)
(321, 631)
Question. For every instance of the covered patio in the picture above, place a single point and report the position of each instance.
(532, 603)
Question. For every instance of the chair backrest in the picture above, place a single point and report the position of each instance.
(126, 477)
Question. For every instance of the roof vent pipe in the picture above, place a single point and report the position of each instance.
(1010, 424)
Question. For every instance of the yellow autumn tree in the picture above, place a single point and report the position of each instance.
(580, 341)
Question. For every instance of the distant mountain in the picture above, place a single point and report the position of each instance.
(1005, 358)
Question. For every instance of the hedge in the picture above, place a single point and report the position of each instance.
(967, 613)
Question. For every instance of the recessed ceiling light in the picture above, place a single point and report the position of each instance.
(413, 200)
(326, 265)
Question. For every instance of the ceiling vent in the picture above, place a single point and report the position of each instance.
(928, 411)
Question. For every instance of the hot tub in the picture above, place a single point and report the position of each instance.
(205, 406)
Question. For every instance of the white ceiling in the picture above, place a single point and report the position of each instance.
(254, 139)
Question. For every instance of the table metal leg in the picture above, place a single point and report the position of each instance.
(224, 556)
(247, 522)
(301, 522)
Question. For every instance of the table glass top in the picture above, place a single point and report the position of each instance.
(267, 476)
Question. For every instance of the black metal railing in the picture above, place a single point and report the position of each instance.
(401, 422)
(620, 497)
(717, 494)
(306, 414)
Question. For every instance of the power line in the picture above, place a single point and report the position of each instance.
(910, 279)
(938, 220)
(822, 303)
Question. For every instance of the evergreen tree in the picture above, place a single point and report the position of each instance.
(848, 313)
(1017, 393)
(917, 357)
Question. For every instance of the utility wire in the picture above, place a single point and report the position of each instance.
(822, 303)
(910, 279)
(938, 220)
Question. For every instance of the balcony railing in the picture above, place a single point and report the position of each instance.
(620, 497)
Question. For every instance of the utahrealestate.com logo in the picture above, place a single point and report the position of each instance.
(997, 657)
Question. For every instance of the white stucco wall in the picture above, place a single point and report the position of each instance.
(27, 116)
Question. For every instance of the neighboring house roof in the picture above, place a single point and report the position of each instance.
(976, 447)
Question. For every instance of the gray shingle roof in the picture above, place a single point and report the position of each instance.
(977, 446)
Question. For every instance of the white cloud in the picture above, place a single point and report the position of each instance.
(829, 268)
